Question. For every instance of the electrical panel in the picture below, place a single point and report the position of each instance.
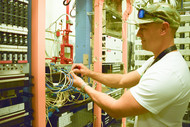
(15, 95)
(111, 49)
(111, 56)
(110, 42)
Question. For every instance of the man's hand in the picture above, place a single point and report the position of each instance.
(78, 82)
(80, 68)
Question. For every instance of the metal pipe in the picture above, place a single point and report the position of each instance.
(124, 37)
(67, 17)
(98, 7)
(38, 62)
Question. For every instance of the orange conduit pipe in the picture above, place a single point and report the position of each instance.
(124, 37)
(98, 6)
(38, 62)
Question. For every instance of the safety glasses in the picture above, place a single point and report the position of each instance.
(142, 13)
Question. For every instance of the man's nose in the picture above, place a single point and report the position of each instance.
(138, 33)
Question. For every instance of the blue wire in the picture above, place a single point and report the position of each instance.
(70, 84)
(52, 64)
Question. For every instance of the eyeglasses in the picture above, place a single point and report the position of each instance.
(142, 13)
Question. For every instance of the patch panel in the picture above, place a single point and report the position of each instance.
(11, 109)
(14, 66)
(13, 57)
(14, 12)
(8, 38)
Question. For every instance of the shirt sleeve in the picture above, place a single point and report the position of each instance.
(156, 89)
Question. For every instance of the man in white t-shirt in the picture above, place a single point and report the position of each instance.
(160, 90)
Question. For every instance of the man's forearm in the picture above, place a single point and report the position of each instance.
(111, 80)
(104, 101)
(116, 80)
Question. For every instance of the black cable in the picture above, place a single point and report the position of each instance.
(66, 4)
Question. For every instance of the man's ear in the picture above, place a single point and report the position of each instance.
(164, 28)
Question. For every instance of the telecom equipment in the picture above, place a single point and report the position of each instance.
(15, 96)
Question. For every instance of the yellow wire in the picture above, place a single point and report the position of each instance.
(62, 97)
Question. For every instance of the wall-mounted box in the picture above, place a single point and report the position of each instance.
(110, 42)
(111, 56)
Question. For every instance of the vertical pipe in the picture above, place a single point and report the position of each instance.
(124, 57)
(124, 37)
(98, 53)
(67, 24)
(38, 62)
(67, 17)
(83, 28)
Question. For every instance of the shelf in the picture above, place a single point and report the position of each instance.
(112, 22)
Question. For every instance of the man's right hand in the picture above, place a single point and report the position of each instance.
(80, 68)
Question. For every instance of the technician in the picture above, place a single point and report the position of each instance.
(160, 90)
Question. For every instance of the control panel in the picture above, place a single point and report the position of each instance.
(14, 64)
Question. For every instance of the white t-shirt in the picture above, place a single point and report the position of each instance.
(164, 90)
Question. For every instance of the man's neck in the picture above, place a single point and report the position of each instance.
(157, 53)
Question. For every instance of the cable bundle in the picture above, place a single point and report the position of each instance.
(62, 93)
(62, 86)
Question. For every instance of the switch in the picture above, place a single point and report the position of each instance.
(25, 57)
(20, 40)
(10, 39)
(10, 57)
(4, 56)
(4, 38)
(20, 57)
(25, 40)
(15, 58)
(15, 39)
